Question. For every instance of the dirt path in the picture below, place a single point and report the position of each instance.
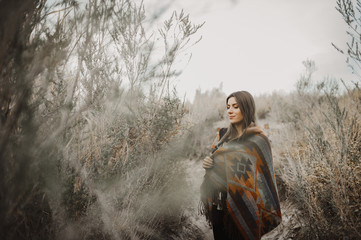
(195, 176)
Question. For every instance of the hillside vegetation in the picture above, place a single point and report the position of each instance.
(91, 127)
(316, 140)
(95, 143)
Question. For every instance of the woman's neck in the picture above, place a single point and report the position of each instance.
(239, 129)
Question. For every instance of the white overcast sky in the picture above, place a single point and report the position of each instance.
(259, 45)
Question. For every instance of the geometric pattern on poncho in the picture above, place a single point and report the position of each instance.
(245, 171)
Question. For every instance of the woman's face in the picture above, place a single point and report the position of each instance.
(233, 111)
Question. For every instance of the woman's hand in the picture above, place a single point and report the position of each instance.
(207, 163)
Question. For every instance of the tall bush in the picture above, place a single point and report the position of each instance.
(87, 114)
(320, 165)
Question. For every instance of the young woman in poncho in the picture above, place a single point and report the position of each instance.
(239, 192)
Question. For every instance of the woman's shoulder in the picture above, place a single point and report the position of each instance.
(257, 135)
(254, 129)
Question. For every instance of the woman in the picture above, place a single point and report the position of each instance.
(239, 193)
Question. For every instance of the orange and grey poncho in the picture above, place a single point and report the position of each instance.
(243, 173)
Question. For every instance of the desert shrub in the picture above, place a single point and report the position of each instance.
(263, 106)
(204, 115)
(319, 168)
(87, 119)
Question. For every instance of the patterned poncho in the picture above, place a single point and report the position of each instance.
(243, 173)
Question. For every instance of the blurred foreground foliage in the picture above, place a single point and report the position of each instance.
(88, 116)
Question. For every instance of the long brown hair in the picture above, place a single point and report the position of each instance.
(247, 106)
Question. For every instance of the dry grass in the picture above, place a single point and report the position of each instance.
(92, 138)
(317, 159)
(91, 133)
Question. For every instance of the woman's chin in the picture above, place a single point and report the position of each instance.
(234, 122)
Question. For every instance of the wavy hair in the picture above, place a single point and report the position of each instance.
(247, 106)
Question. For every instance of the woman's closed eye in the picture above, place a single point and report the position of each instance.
(234, 106)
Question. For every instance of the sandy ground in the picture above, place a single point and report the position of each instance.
(195, 176)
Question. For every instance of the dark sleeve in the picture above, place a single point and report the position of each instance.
(222, 131)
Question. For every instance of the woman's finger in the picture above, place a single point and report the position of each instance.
(207, 162)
